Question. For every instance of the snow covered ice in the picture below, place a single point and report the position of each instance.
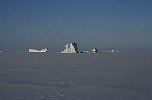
(99, 76)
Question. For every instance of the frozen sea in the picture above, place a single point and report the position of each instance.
(52, 76)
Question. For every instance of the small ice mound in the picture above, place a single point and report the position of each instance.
(114, 51)
(71, 48)
(94, 50)
(84, 52)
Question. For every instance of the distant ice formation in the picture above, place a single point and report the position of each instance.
(114, 51)
(84, 52)
(94, 50)
(43, 50)
(71, 48)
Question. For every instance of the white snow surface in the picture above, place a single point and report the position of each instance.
(101, 76)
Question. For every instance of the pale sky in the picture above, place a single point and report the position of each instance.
(104, 24)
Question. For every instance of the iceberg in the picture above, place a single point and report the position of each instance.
(94, 50)
(71, 48)
(43, 50)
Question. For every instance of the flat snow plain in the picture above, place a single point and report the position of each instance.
(101, 76)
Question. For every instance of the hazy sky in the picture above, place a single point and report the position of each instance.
(104, 24)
